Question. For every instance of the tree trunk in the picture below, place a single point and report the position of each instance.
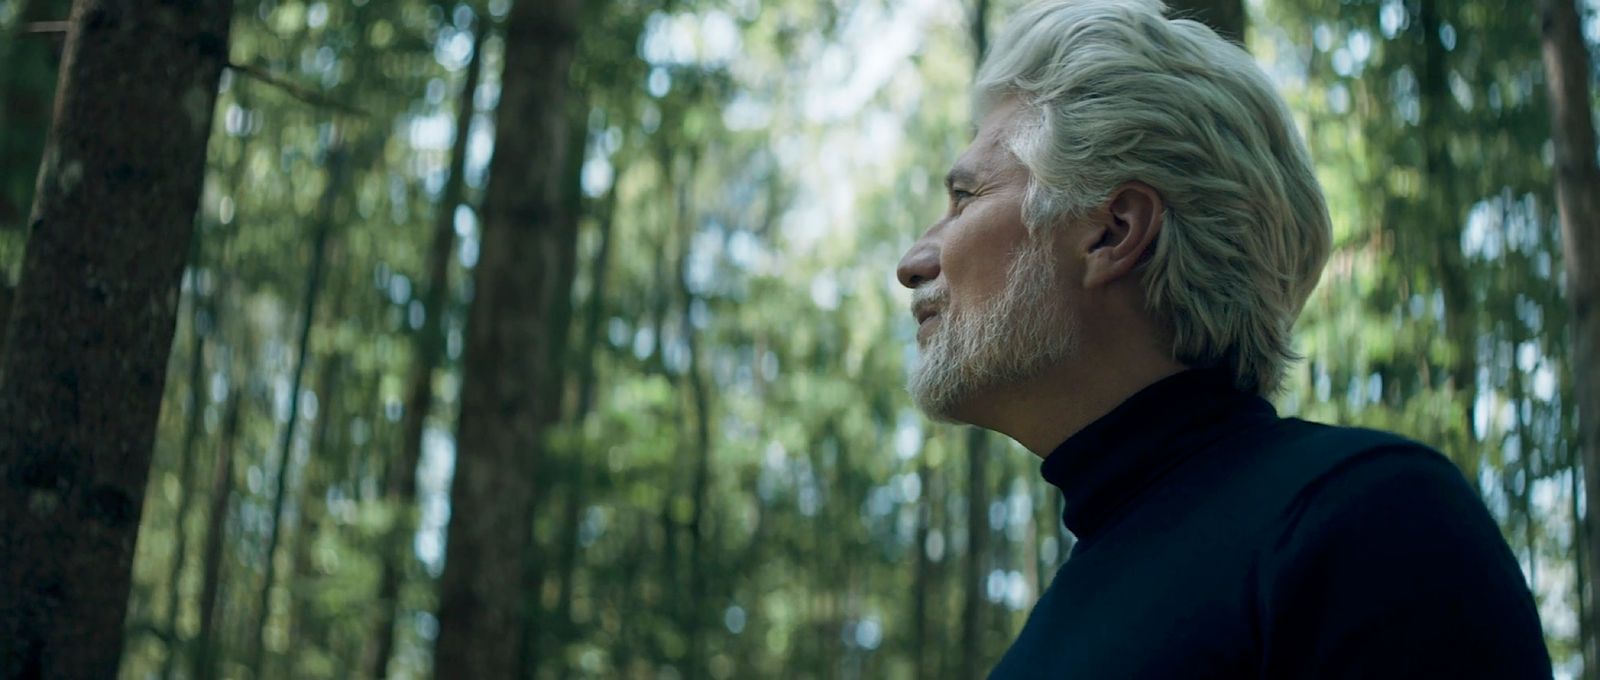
(204, 659)
(922, 576)
(701, 444)
(1521, 495)
(5, 311)
(1580, 559)
(977, 551)
(514, 331)
(1440, 248)
(1566, 66)
(202, 315)
(578, 483)
(429, 344)
(336, 162)
(1226, 17)
(91, 327)
(533, 570)
(304, 626)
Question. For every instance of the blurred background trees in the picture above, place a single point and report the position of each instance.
(675, 421)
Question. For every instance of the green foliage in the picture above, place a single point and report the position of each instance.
(760, 167)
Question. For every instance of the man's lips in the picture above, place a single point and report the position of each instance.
(923, 314)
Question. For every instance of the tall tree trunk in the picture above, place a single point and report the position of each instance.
(306, 630)
(701, 483)
(1522, 494)
(1566, 66)
(1444, 206)
(205, 647)
(515, 330)
(304, 626)
(1580, 559)
(950, 656)
(85, 353)
(977, 552)
(5, 309)
(201, 318)
(578, 482)
(1226, 17)
(429, 344)
(1030, 548)
(560, 317)
(212, 327)
(336, 162)
(921, 581)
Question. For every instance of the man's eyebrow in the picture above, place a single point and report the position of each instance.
(962, 176)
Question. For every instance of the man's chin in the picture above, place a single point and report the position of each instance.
(938, 399)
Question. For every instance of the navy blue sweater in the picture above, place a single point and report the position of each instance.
(1217, 540)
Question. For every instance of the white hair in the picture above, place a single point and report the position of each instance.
(1114, 92)
(1022, 333)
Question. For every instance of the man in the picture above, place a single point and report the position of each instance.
(1129, 239)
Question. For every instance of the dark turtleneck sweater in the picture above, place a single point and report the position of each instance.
(1217, 540)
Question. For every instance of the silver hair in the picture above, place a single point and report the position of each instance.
(1008, 341)
(1115, 92)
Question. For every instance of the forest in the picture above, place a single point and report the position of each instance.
(561, 339)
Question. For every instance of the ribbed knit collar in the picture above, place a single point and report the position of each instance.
(1108, 464)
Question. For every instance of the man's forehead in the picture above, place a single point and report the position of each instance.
(986, 155)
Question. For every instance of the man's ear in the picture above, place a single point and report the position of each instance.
(1129, 224)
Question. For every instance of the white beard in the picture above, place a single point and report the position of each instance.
(1026, 331)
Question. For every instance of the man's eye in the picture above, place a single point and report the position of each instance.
(958, 196)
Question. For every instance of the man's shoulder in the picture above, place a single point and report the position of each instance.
(1344, 473)
(1321, 440)
(1366, 565)
(1298, 461)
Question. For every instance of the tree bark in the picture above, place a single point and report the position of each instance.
(578, 483)
(91, 327)
(1566, 66)
(533, 571)
(922, 576)
(695, 613)
(515, 330)
(305, 627)
(202, 313)
(336, 161)
(204, 660)
(5, 310)
(1226, 17)
(429, 344)
(977, 552)
(1580, 560)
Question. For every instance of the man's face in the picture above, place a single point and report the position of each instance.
(990, 305)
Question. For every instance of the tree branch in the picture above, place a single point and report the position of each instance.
(45, 27)
(295, 90)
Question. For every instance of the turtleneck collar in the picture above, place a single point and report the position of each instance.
(1109, 462)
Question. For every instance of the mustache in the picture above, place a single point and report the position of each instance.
(929, 298)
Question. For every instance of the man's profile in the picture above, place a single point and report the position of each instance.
(1129, 239)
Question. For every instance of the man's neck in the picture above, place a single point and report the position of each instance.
(1043, 413)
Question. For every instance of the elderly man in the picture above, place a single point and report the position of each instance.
(1129, 239)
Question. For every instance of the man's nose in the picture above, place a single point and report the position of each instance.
(920, 264)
